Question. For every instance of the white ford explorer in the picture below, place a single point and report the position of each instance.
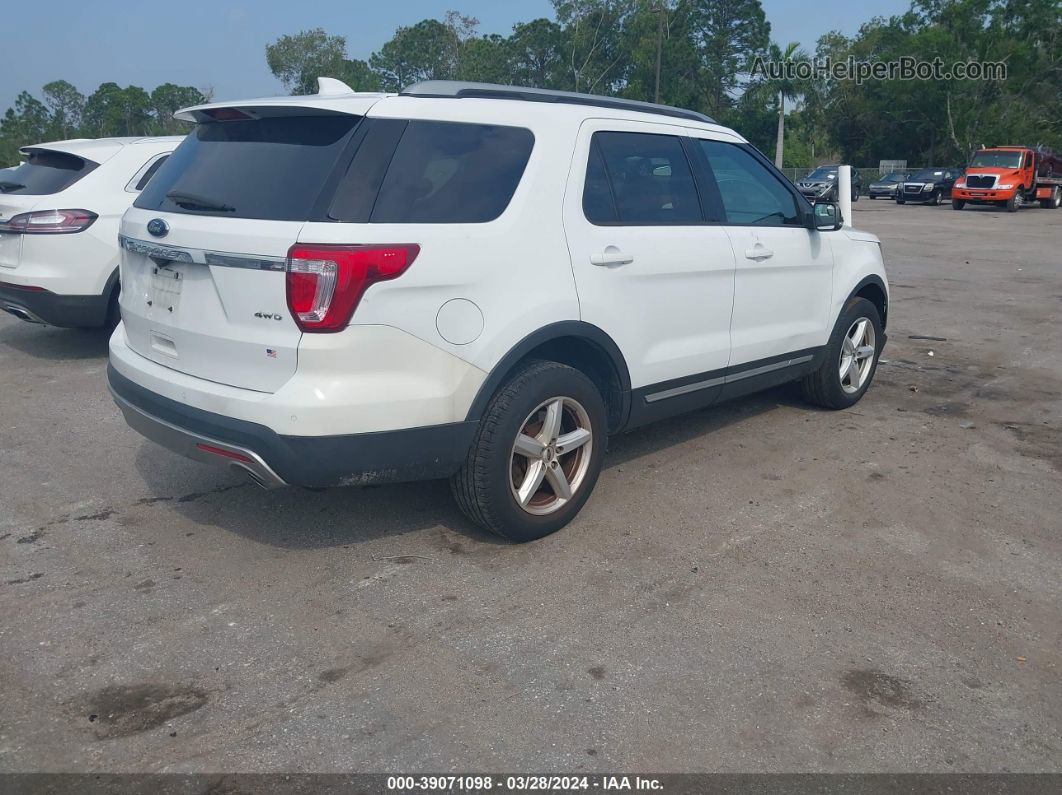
(59, 215)
(473, 282)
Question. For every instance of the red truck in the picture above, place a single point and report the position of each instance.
(1010, 176)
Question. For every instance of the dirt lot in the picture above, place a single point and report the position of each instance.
(761, 586)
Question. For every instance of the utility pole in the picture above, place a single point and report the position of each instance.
(661, 10)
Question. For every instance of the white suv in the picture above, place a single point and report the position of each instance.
(59, 214)
(476, 282)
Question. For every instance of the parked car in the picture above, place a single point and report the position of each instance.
(59, 214)
(822, 184)
(473, 282)
(928, 186)
(887, 186)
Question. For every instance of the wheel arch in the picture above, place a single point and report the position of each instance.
(874, 290)
(577, 344)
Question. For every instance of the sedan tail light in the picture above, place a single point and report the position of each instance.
(325, 283)
(49, 222)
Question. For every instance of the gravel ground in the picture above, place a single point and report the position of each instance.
(757, 587)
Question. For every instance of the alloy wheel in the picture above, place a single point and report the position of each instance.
(857, 355)
(551, 455)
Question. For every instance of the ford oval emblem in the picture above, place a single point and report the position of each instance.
(158, 227)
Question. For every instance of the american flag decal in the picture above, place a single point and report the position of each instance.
(270, 353)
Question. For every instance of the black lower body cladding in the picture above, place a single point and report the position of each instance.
(65, 311)
(425, 453)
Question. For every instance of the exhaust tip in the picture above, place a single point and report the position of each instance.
(20, 313)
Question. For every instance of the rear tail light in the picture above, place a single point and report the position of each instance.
(49, 222)
(325, 283)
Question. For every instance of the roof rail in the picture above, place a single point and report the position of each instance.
(459, 89)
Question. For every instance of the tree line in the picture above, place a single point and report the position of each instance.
(63, 112)
(691, 53)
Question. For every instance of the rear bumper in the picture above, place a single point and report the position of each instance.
(434, 451)
(53, 309)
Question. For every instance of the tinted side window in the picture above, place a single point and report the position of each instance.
(356, 193)
(273, 168)
(150, 173)
(651, 179)
(449, 173)
(44, 173)
(751, 194)
(598, 205)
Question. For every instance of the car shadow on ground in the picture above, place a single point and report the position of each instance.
(296, 518)
(55, 344)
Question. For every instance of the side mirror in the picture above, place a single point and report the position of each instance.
(826, 217)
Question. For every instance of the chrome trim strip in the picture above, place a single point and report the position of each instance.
(182, 441)
(685, 389)
(220, 259)
(767, 368)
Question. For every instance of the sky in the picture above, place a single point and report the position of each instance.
(221, 43)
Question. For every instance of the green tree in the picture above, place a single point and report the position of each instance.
(593, 43)
(166, 100)
(728, 35)
(297, 61)
(66, 104)
(784, 88)
(358, 75)
(427, 50)
(535, 54)
(27, 122)
(486, 59)
(112, 110)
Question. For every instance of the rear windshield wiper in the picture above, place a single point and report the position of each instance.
(6, 186)
(193, 200)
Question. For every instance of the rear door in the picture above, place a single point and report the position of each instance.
(205, 244)
(650, 271)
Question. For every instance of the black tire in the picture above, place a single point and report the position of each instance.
(855, 194)
(957, 204)
(1013, 203)
(1053, 201)
(823, 387)
(114, 311)
(483, 487)
(937, 198)
(901, 201)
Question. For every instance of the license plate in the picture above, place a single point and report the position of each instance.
(166, 285)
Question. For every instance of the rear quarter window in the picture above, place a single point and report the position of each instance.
(44, 173)
(437, 173)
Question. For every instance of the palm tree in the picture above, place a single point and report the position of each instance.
(785, 87)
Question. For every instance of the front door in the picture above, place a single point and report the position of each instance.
(784, 272)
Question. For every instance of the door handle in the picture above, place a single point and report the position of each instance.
(611, 256)
(758, 252)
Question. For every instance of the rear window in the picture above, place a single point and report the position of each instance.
(273, 168)
(432, 172)
(44, 173)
